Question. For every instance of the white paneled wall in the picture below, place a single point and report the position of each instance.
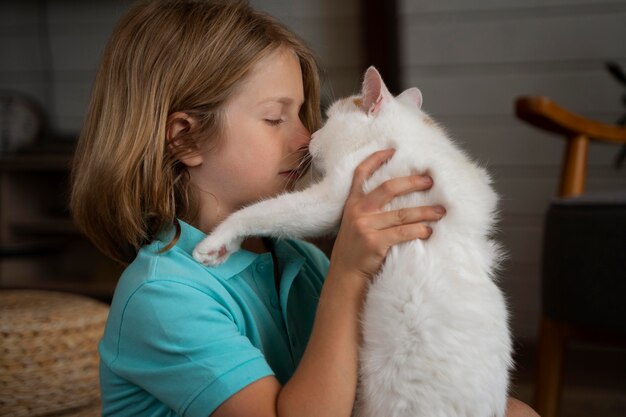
(471, 59)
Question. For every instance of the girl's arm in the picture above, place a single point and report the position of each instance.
(324, 384)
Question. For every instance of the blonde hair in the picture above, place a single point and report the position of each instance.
(164, 57)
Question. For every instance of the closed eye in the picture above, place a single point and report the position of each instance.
(274, 122)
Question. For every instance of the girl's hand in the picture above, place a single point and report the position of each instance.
(366, 232)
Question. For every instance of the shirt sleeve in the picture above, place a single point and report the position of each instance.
(184, 347)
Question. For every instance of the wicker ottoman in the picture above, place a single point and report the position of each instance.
(48, 353)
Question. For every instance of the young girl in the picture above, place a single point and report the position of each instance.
(200, 108)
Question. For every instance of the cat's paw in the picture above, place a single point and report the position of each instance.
(212, 251)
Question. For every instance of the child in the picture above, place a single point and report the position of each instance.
(198, 109)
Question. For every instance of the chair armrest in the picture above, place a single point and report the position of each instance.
(546, 114)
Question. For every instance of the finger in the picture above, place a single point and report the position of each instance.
(366, 168)
(404, 216)
(405, 233)
(395, 187)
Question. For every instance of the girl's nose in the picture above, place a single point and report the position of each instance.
(302, 137)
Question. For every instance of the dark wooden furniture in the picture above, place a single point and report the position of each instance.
(40, 248)
(584, 267)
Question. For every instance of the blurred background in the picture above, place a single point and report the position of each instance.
(471, 60)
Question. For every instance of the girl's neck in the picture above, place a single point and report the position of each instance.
(208, 220)
(255, 244)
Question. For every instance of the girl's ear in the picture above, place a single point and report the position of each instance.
(179, 124)
(374, 94)
(412, 96)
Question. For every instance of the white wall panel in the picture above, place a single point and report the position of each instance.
(485, 6)
(519, 144)
(78, 16)
(19, 53)
(537, 38)
(323, 35)
(71, 52)
(587, 92)
(17, 15)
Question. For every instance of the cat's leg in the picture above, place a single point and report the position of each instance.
(311, 212)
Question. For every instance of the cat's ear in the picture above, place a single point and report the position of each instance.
(412, 96)
(374, 94)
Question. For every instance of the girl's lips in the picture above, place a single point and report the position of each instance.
(290, 174)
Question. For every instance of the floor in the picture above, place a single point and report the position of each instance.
(594, 380)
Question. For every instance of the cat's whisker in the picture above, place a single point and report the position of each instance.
(304, 160)
(301, 169)
(307, 157)
(290, 155)
(308, 169)
(315, 177)
(304, 166)
(302, 150)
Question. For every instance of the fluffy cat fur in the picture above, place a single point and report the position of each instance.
(436, 341)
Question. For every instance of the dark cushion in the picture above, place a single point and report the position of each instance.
(584, 261)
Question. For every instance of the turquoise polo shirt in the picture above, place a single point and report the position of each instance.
(181, 337)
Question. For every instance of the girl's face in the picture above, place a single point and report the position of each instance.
(264, 140)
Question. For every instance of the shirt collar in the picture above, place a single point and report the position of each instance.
(238, 261)
(291, 262)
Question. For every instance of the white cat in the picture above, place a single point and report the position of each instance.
(435, 334)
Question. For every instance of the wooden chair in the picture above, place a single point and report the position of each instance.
(582, 296)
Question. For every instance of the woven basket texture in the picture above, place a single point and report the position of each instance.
(49, 353)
